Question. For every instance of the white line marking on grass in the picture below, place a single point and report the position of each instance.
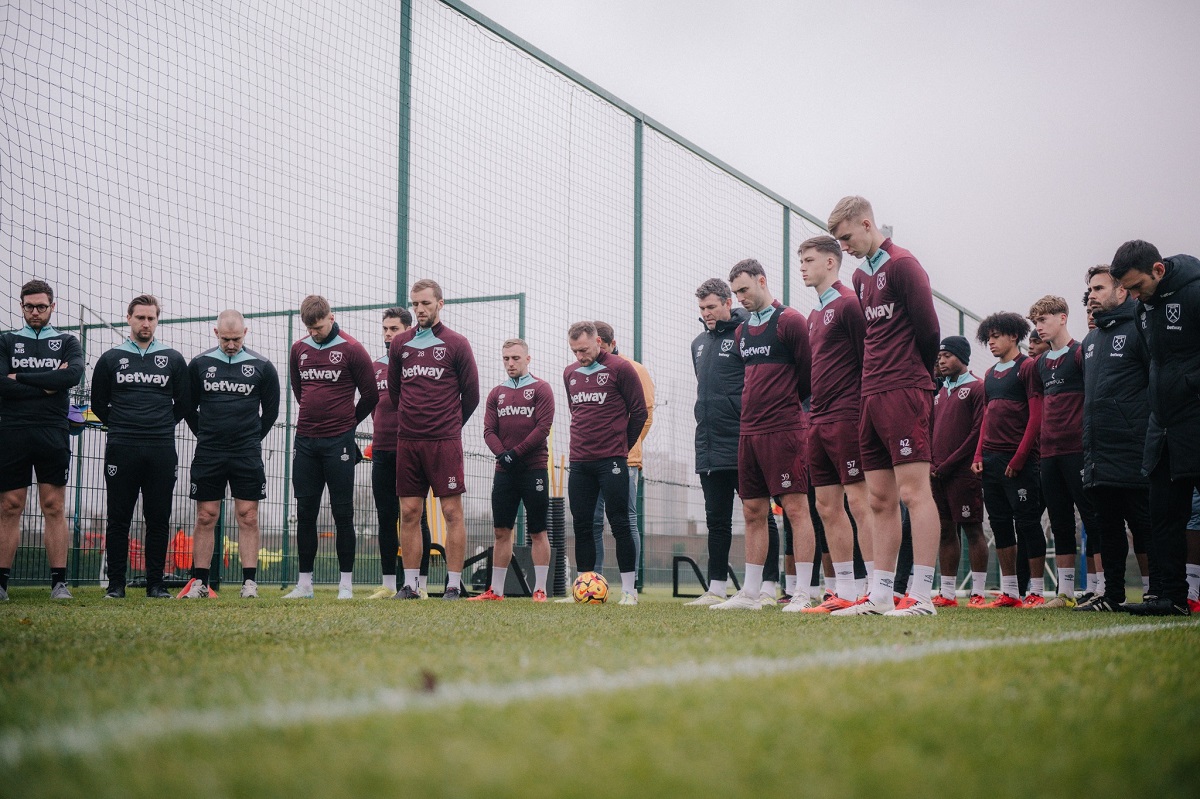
(124, 729)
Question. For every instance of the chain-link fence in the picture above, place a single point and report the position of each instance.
(245, 155)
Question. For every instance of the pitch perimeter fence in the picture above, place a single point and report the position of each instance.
(244, 155)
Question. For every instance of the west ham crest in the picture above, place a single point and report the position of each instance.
(727, 345)
(439, 353)
(248, 369)
(335, 356)
(1118, 343)
(964, 392)
(881, 280)
(529, 393)
(601, 379)
(55, 344)
(160, 361)
(1173, 312)
(829, 316)
(111, 469)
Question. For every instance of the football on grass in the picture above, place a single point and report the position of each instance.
(590, 588)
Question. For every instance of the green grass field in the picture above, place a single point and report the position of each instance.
(323, 698)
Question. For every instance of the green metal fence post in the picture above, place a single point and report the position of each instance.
(218, 555)
(287, 456)
(638, 134)
(77, 522)
(405, 130)
(787, 255)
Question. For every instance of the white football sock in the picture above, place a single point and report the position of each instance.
(453, 580)
(978, 582)
(539, 577)
(1099, 582)
(389, 582)
(629, 582)
(498, 577)
(718, 587)
(752, 587)
(1066, 581)
(920, 585)
(789, 584)
(1193, 581)
(804, 576)
(1008, 585)
(881, 586)
(1037, 585)
(949, 586)
(422, 579)
(305, 580)
(1146, 585)
(410, 578)
(843, 580)
(769, 587)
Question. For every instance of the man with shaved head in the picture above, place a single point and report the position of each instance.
(234, 402)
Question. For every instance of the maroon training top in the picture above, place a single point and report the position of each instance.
(902, 337)
(518, 416)
(1061, 379)
(384, 419)
(778, 371)
(1013, 417)
(433, 381)
(957, 419)
(835, 334)
(608, 408)
(324, 379)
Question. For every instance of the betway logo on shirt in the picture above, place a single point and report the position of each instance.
(880, 311)
(228, 387)
(581, 397)
(520, 410)
(435, 372)
(35, 363)
(331, 375)
(142, 377)
(765, 351)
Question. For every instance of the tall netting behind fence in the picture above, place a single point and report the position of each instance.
(245, 155)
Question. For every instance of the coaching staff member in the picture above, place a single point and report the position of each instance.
(234, 401)
(1168, 294)
(38, 368)
(140, 391)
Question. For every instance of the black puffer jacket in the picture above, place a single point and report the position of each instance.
(719, 377)
(1171, 324)
(1116, 404)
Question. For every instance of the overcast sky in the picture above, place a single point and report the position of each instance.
(1012, 145)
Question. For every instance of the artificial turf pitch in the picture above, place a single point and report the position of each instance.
(231, 697)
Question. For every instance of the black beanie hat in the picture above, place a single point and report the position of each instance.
(957, 346)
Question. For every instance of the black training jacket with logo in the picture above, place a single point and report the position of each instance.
(1170, 321)
(720, 378)
(1116, 403)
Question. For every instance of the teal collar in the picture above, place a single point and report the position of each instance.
(827, 296)
(1004, 367)
(423, 332)
(961, 380)
(520, 382)
(595, 366)
(875, 261)
(29, 332)
(131, 346)
(759, 318)
(1056, 354)
(237, 357)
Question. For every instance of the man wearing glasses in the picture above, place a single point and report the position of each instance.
(38, 368)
